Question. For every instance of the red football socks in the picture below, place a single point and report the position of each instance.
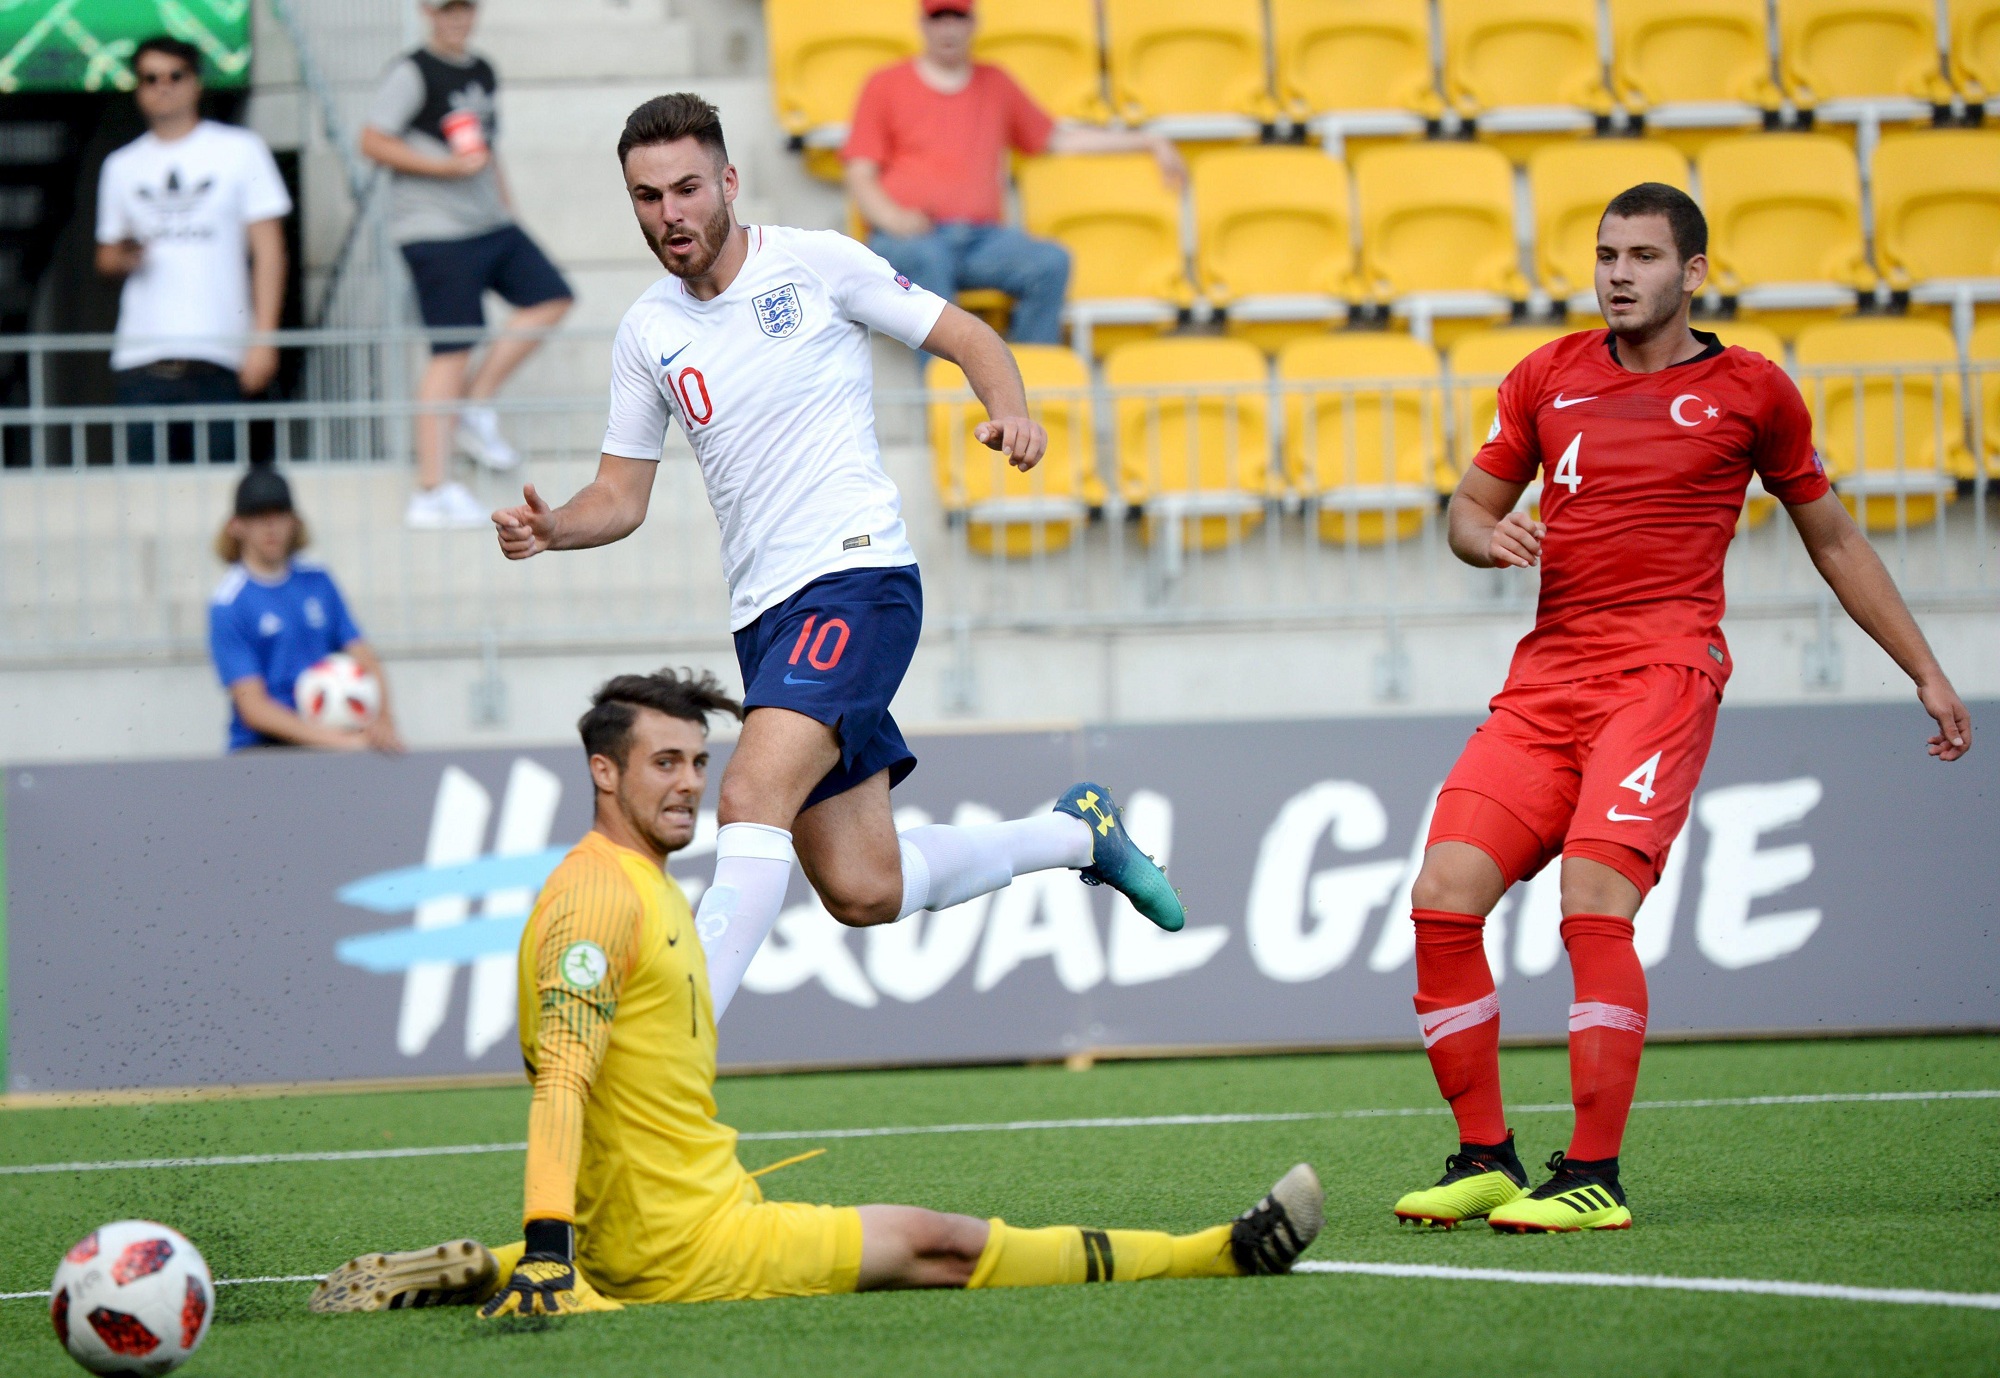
(1607, 1029)
(1459, 1014)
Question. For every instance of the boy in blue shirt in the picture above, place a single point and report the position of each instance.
(272, 617)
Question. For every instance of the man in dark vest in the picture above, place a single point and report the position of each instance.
(432, 125)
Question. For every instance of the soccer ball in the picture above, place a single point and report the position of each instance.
(131, 1297)
(337, 692)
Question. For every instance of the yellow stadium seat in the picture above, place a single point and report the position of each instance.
(1355, 67)
(1885, 401)
(1984, 355)
(1784, 222)
(1750, 335)
(1051, 48)
(1478, 363)
(1193, 68)
(1693, 64)
(1366, 450)
(1975, 49)
(822, 54)
(1937, 216)
(1271, 229)
(1437, 230)
(1194, 447)
(1524, 66)
(1006, 511)
(1122, 226)
(1570, 184)
(1880, 51)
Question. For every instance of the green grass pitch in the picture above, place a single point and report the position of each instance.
(1893, 1194)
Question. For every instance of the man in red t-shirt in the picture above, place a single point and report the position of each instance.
(1646, 436)
(926, 165)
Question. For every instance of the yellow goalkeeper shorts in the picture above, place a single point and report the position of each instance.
(749, 1249)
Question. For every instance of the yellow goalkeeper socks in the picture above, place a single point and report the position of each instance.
(1064, 1253)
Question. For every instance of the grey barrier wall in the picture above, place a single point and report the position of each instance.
(281, 917)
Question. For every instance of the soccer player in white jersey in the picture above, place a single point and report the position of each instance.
(757, 344)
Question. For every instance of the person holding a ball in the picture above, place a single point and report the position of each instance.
(274, 616)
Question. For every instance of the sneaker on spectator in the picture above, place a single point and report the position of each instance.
(448, 506)
(479, 436)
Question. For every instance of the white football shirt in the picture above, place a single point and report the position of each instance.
(773, 384)
(190, 203)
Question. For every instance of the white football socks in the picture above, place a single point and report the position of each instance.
(753, 865)
(945, 866)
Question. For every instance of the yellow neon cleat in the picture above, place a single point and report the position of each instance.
(461, 1273)
(1472, 1185)
(1570, 1200)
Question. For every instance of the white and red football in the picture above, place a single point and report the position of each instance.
(337, 692)
(132, 1297)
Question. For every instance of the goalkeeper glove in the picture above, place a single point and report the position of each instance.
(545, 1282)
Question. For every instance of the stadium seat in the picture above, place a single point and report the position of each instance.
(1937, 217)
(1122, 226)
(822, 55)
(1871, 383)
(1524, 66)
(1750, 335)
(1272, 239)
(1437, 231)
(1366, 451)
(1193, 69)
(1690, 65)
(1984, 355)
(1839, 55)
(1355, 67)
(1570, 184)
(1051, 48)
(1195, 452)
(1784, 220)
(1478, 363)
(1975, 51)
(1006, 511)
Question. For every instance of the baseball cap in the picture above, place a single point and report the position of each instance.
(963, 7)
(263, 490)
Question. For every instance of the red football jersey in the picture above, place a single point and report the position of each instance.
(1644, 480)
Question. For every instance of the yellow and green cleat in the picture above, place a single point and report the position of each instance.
(1477, 1179)
(1117, 862)
(1580, 1196)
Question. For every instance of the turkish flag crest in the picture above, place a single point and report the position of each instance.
(1694, 410)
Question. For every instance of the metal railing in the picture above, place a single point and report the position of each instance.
(1169, 505)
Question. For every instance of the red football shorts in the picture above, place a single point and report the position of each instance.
(1603, 768)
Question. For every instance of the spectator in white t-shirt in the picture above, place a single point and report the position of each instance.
(190, 214)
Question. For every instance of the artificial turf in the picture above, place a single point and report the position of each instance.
(1898, 1194)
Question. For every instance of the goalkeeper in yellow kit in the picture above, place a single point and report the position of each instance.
(634, 1192)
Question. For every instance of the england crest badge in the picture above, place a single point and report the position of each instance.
(778, 311)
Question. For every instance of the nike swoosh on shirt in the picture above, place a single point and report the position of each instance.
(1562, 401)
(790, 680)
(1617, 817)
(667, 360)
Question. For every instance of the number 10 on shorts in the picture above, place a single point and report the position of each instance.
(816, 649)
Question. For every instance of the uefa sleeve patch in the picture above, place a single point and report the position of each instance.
(583, 965)
(1493, 431)
(905, 283)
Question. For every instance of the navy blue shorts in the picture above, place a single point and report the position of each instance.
(453, 275)
(837, 651)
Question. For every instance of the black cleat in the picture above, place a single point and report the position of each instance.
(1270, 1236)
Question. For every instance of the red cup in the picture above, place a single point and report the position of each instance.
(463, 132)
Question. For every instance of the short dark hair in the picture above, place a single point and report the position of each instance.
(1684, 217)
(669, 119)
(607, 728)
(165, 46)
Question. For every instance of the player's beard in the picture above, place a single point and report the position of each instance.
(710, 238)
(1659, 309)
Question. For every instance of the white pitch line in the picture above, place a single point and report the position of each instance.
(1000, 1127)
(1818, 1291)
(219, 1282)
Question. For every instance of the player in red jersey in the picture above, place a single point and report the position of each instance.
(1646, 436)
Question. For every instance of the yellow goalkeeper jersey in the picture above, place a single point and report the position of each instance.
(619, 1039)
